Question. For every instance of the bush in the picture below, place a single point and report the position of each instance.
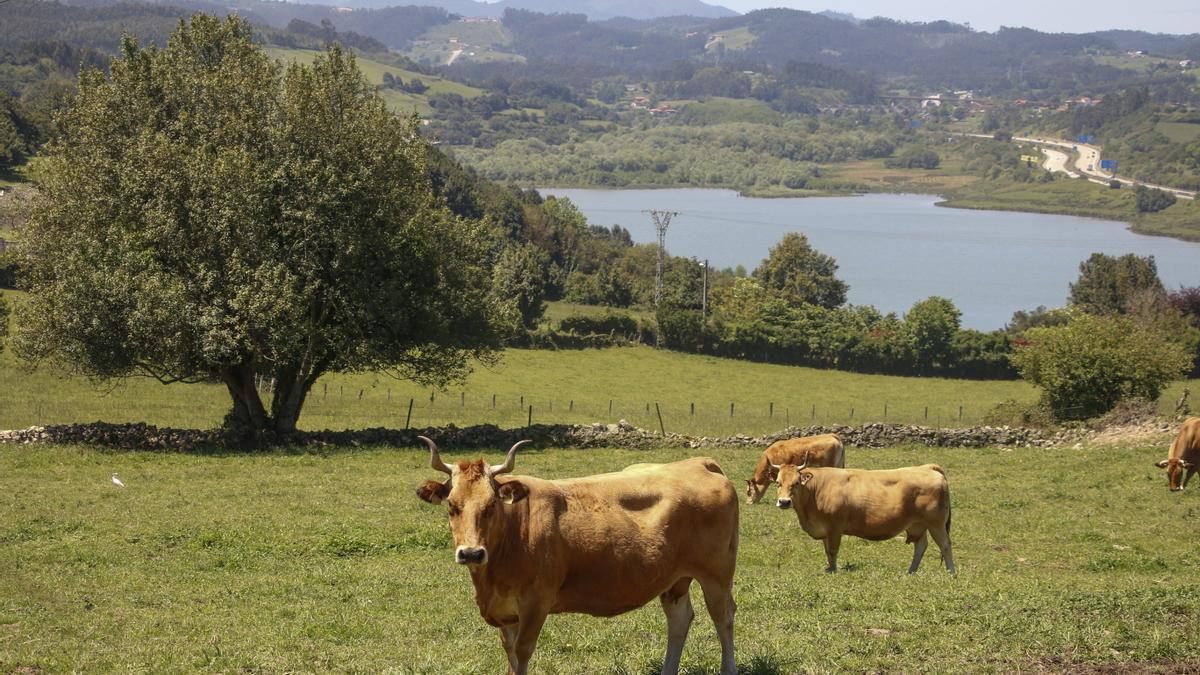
(1152, 200)
(914, 158)
(1114, 184)
(610, 324)
(1085, 367)
(680, 329)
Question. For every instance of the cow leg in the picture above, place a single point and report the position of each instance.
(1186, 477)
(677, 604)
(942, 537)
(528, 630)
(919, 547)
(833, 541)
(718, 598)
(508, 638)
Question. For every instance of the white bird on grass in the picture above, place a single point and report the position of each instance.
(117, 481)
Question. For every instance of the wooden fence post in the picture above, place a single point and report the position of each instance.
(409, 418)
(661, 428)
(529, 422)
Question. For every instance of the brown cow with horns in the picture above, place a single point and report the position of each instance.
(1184, 455)
(600, 545)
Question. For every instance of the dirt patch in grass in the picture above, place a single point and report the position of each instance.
(1058, 664)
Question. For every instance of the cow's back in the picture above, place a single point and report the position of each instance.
(823, 450)
(876, 504)
(624, 537)
(1187, 443)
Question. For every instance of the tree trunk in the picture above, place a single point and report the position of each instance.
(291, 389)
(248, 411)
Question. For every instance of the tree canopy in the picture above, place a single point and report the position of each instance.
(801, 273)
(1108, 284)
(208, 214)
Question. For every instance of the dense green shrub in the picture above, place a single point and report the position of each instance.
(914, 158)
(609, 324)
(1085, 367)
(1152, 200)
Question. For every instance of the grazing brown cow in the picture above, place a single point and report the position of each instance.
(874, 505)
(600, 545)
(1183, 456)
(822, 450)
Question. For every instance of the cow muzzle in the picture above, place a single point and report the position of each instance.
(470, 555)
(783, 503)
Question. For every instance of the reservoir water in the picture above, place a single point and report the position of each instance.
(896, 249)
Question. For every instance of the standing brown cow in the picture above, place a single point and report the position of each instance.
(822, 450)
(1183, 456)
(873, 505)
(600, 545)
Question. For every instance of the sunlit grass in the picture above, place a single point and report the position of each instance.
(313, 562)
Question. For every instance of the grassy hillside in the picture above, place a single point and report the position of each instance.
(733, 39)
(474, 41)
(399, 101)
(1068, 560)
(562, 386)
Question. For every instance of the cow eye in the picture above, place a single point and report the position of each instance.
(454, 510)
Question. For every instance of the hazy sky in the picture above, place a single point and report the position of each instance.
(1074, 16)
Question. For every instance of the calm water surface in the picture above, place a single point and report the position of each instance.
(896, 249)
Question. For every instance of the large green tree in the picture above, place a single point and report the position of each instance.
(1109, 284)
(208, 214)
(800, 274)
(930, 327)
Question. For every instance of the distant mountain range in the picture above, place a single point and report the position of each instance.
(596, 10)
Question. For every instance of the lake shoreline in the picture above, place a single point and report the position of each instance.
(893, 249)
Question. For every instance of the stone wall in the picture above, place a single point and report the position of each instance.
(622, 435)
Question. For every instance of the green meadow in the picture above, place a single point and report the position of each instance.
(297, 561)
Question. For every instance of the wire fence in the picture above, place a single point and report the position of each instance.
(348, 407)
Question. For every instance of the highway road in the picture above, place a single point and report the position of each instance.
(1087, 162)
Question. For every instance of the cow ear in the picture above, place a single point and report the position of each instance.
(1189, 465)
(433, 492)
(805, 477)
(512, 491)
(1162, 464)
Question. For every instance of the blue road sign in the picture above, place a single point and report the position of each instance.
(1108, 164)
(1087, 138)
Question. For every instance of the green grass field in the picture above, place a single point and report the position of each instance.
(480, 42)
(734, 38)
(563, 386)
(399, 101)
(1079, 198)
(1179, 132)
(303, 561)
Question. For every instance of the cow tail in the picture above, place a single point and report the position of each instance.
(949, 515)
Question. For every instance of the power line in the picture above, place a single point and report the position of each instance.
(662, 219)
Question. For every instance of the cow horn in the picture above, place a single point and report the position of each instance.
(435, 459)
(805, 462)
(509, 460)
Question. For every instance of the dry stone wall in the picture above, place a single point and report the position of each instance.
(622, 435)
